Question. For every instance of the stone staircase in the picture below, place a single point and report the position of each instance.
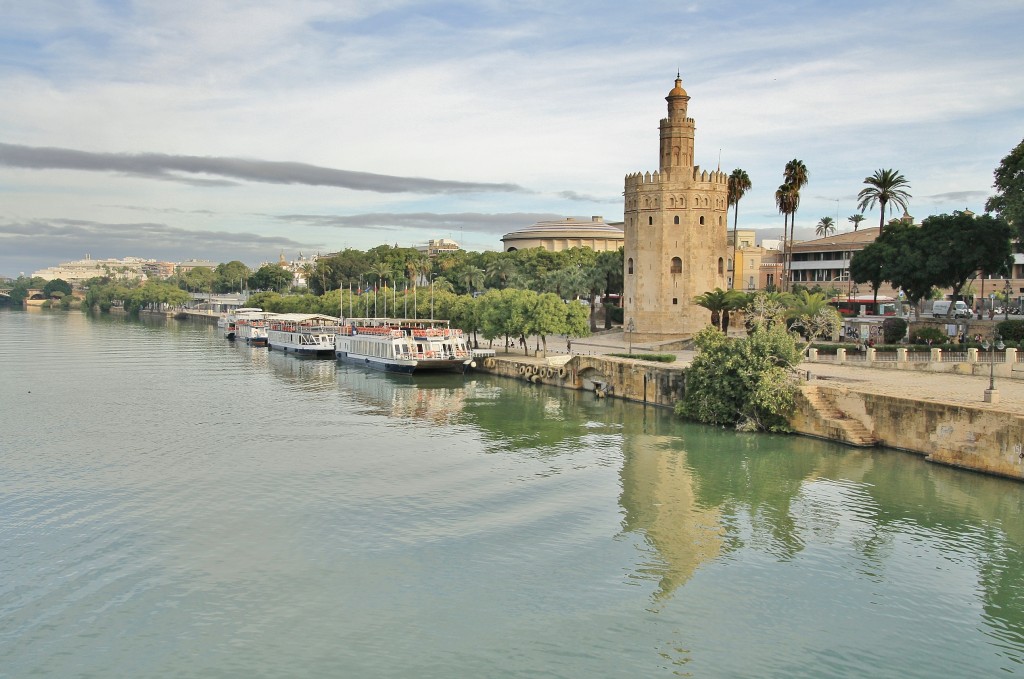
(839, 425)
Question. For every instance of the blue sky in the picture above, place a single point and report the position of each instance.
(237, 130)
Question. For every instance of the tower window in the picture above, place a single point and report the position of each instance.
(676, 219)
(629, 265)
(675, 300)
(702, 220)
(721, 265)
(650, 221)
(677, 265)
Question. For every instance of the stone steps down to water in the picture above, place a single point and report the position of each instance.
(840, 426)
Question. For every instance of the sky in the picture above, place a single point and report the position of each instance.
(241, 130)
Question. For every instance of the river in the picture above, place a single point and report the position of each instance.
(174, 505)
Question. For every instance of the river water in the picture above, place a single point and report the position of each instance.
(172, 505)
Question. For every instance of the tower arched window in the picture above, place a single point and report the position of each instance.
(702, 220)
(650, 221)
(677, 265)
(721, 265)
(629, 265)
(676, 219)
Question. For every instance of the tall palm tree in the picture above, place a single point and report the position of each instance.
(501, 270)
(739, 184)
(796, 175)
(884, 187)
(826, 226)
(784, 201)
(855, 220)
(472, 277)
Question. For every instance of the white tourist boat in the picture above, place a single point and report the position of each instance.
(303, 334)
(252, 327)
(403, 345)
(228, 320)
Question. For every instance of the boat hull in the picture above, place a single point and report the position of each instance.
(404, 367)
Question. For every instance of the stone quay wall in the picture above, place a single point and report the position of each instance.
(980, 439)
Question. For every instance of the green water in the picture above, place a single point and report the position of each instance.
(172, 505)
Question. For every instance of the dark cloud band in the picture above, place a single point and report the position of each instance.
(167, 167)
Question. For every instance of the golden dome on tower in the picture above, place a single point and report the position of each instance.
(678, 90)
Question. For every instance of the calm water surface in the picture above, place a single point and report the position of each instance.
(172, 505)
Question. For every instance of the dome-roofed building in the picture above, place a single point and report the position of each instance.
(563, 234)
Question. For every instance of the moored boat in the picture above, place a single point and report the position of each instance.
(252, 327)
(303, 334)
(403, 345)
(229, 320)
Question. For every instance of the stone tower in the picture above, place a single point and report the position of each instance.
(675, 234)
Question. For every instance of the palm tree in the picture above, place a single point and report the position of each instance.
(472, 277)
(739, 184)
(884, 187)
(826, 225)
(855, 220)
(784, 201)
(381, 271)
(501, 270)
(720, 302)
(796, 175)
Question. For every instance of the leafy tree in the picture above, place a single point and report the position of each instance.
(869, 264)
(57, 285)
(796, 176)
(1008, 202)
(786, 200)
(825, 227)
(198, 279)
(547, 315)
(501, 270)
(271, 277)
(744, 383)
(21, 286)
(855, 220)
(811, 313)
(230, 276)
(884, 187)
(961, 244)
(893, 330)
(472, 277)
(739, 184)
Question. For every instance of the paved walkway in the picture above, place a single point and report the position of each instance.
(965, 390)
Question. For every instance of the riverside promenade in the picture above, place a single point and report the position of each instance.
(946, 388)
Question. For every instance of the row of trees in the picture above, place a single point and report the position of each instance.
(510, 314)
(945, 251)
(805, 311)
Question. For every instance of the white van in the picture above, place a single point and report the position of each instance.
(960, 309)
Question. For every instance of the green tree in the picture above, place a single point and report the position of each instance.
(743, 383)
(811, 313)
(472, 277)
(855, 220)
(786, 200)
(1008, 202)
(961, 244)
(500, 271)
(885, 187)
(868, 265)
(57, 285)
(720, 302)
(271, 277)
(739, 184)
(826, 226)
(797, 176)
(231, 276)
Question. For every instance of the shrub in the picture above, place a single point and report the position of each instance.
(924, 334)
(1011, 330)
(893, 330)
(615, 312)
(661, 358)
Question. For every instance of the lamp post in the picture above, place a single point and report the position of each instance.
(991, 394)
(1008, 289)
(432, 296)
(630, 329)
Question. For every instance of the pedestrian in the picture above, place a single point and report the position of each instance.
(568, 345)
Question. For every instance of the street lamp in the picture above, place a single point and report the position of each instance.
(630, 329)
(1008, 289)
(991, 395)
(432, 295)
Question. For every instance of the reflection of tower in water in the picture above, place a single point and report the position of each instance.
(659, 496)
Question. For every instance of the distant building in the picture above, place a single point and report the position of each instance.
(564, 234)
(757, 267)
(81, 270)
(186, 266)
(433, 248)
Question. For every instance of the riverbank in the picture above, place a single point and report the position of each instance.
(942, 416)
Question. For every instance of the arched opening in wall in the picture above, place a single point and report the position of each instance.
(650, 221)
(629, 265)
(729, 263)
(719, 220)
(702, 220)
(676, 219)
(677, 265)
(721, 266)
(511, 248)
